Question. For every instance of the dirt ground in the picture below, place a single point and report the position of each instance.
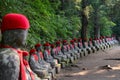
(93, 67)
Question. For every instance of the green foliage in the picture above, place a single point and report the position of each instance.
(52, 20)
(99, 16)
(46, 23)
(114, 15)
(107, 25)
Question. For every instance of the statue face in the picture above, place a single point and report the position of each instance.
(58, 45)
(15, 38)
(25, 57)
(39, 48)
(47, 47)
(22, 37)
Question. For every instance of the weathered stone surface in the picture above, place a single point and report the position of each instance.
(9, 64)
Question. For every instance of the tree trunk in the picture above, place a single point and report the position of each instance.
(84, 20)
(63, 3)
(96, 31)
(96, 25)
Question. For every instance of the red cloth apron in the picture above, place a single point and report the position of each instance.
(48, 52)
(41, 55)
(22, 75)
(35, 56)
(28, 68)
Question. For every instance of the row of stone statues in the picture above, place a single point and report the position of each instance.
(64, 52)
(17, 64)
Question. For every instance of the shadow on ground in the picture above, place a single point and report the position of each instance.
(112, 59)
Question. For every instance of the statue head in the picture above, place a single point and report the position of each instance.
(14, 28)
(46, 46)
(64, 42)
(25, 55)
(57, 43)
(38, 47)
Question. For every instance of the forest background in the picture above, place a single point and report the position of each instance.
(53, 20)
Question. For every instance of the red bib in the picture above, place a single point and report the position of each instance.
(28, 68)
(35, 56)
(22, 75)
(48, 52)
(41, 55)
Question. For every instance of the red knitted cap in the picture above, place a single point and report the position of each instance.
(79, 39)
(46, 44)
(64, 41)
(25, 53)
(95, 38)
(38, 45)
(32, 51)
(75, 39)
(101, 37)
(52, 45)
(71, 41)
(90, 39)
(85, 39)
(14, 21)
(58, 42)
